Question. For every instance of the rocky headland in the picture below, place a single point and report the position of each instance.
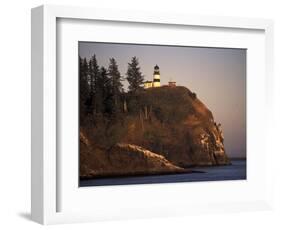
(171, 132)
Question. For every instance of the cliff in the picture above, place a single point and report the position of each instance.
(176, 124)
(173, 127)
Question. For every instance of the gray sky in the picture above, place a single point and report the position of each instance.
(216, 75)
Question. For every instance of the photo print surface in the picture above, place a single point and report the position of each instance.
(161, 114)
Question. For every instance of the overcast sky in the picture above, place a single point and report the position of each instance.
(216, 75)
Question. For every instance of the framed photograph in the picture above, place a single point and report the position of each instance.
(142, 114)
(142, 124)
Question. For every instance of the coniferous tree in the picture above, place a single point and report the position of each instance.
(134, 75)
(116, 85)
(103, 90)
(106, 86)
(90, 76)
(84, 86)
(94, 75)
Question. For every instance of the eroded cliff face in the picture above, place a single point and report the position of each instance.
(206, 146)
(172, 131)
(176, 124)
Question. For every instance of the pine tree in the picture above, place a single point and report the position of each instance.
(134, 75)
(103, 90)
(84, 86)
(116, 84)
(94, 73)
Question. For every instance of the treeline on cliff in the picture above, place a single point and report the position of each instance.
(101, 88)
(106, 110)
(104, 104)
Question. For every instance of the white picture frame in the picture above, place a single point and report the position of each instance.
(47, 182)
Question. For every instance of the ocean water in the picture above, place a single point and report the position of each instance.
(236, 171)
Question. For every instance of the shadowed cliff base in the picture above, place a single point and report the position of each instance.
(235, 171)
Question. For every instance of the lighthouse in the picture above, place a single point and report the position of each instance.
(156, 77)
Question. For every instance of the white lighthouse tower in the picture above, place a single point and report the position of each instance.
(156, 77)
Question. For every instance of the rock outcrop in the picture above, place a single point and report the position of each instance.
(123, 159)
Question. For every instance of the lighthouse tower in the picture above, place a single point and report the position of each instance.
(156, 77)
